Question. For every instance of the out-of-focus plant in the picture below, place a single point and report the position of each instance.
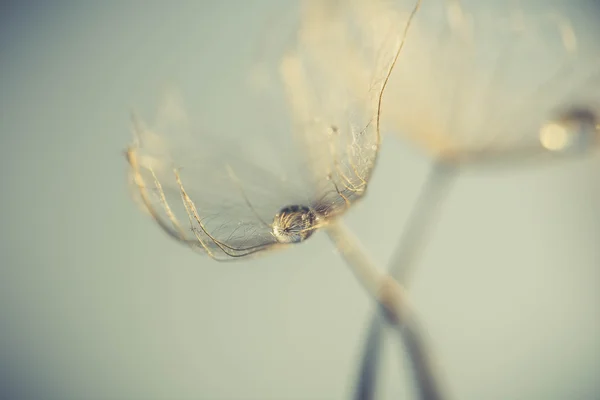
(482, 85)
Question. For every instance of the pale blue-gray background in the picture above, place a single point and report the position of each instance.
(96, 302)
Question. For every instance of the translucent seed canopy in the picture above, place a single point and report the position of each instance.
(334, 75)
(248, 195)
(505, 81)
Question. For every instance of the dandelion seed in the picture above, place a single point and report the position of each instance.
(492, 84)
(228, 207)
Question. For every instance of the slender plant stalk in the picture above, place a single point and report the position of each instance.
(397, 310)
(423, 219)
(368, 373)
(421, 222)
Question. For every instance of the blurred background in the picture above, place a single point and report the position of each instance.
(97, 303)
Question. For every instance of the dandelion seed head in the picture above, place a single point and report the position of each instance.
(228, 202)
(481, 81)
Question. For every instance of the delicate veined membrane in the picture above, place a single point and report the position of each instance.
(212, 197)
(335, 105)
(209, 194)
(484, 82)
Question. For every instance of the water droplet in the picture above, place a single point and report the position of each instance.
(575, 130)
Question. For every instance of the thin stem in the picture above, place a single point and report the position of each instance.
(422, 220)
(371, 360)
(397, 310)
(368, 274)
(425, 373)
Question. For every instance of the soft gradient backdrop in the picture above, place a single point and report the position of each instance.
(97, 303)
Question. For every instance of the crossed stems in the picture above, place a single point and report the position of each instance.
(389, 289)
